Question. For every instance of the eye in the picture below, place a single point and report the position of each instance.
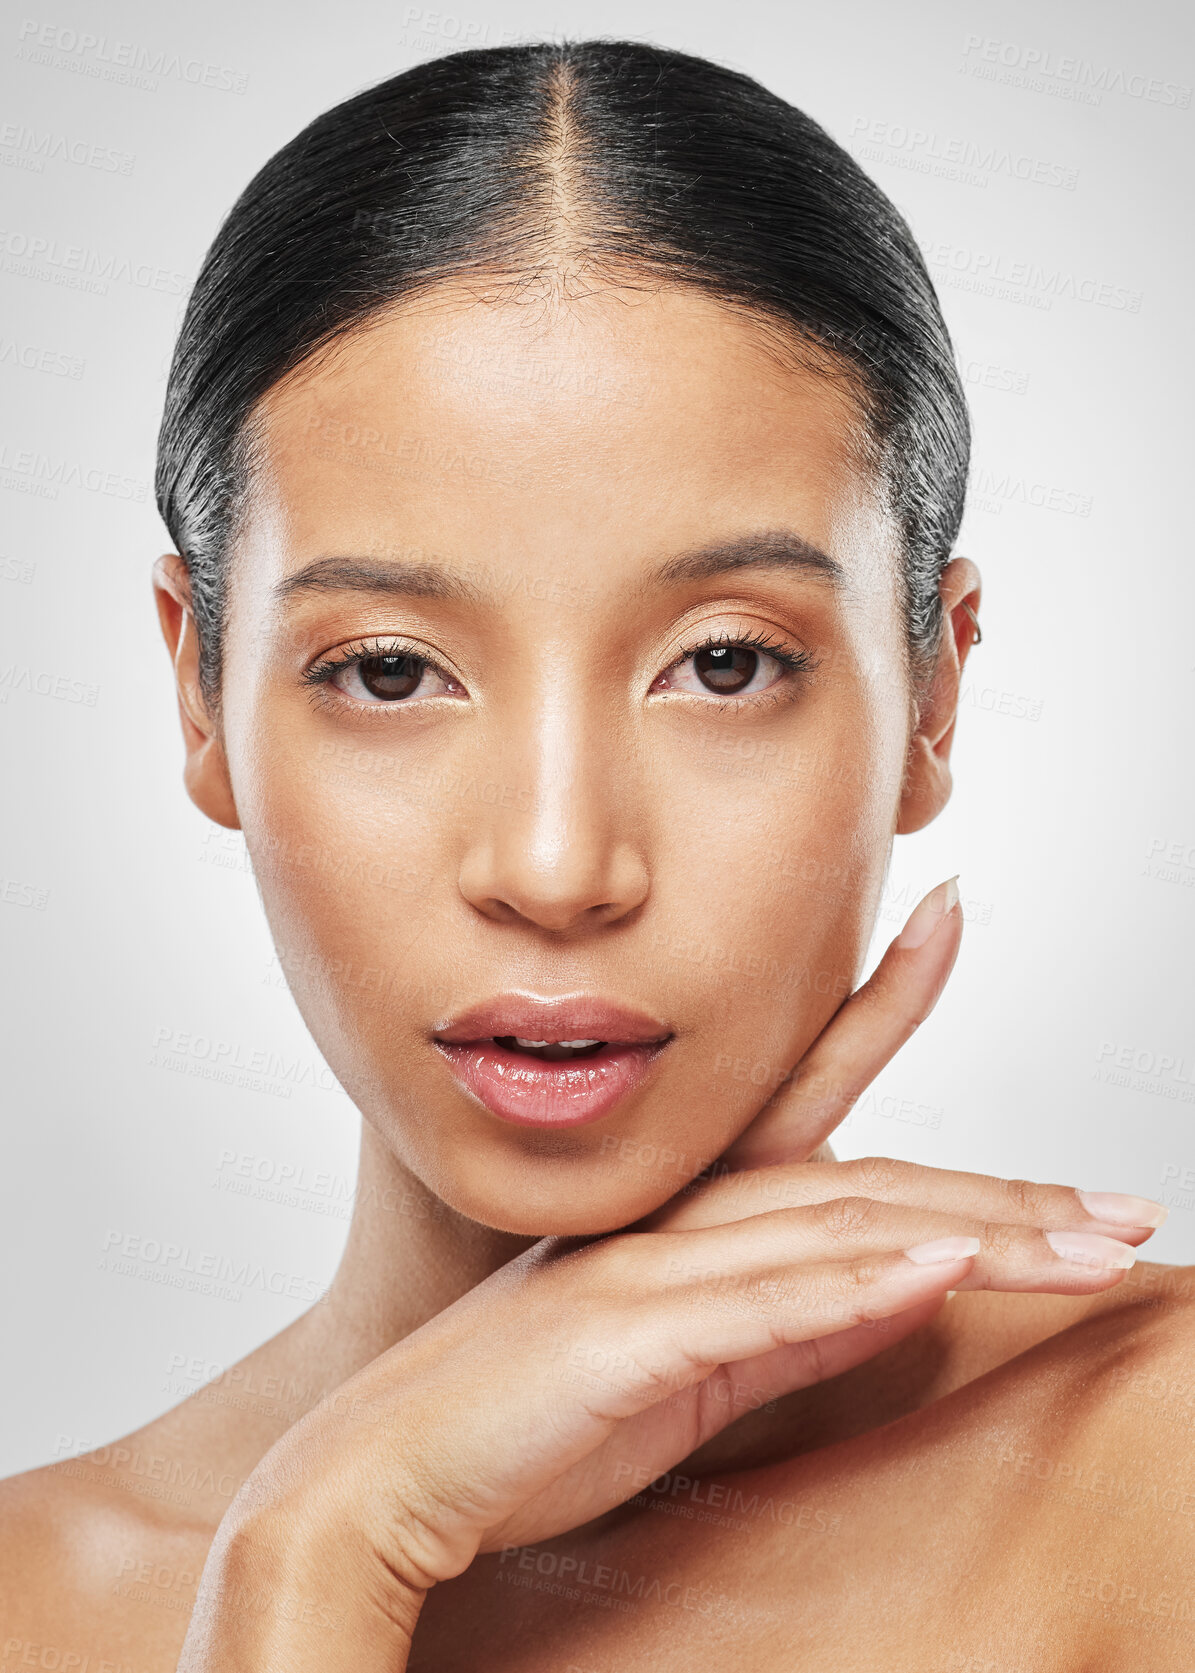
(386, 679)
(733, 668)
(381, 674)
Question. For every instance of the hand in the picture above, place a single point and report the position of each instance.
(550, 1392)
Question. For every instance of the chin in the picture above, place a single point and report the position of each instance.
(558, 1195)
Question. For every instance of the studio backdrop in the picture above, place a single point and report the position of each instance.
(178, 1161)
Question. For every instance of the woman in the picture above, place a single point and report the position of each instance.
(564, 454)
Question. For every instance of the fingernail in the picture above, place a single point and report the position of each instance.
(1090, 1249)
(1123, 1210)
(926, 916)
(943, 1249)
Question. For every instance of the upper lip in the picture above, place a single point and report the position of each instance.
(569, 1017)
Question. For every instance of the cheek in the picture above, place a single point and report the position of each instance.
(344, 850)
(776, 855)
(765, 907)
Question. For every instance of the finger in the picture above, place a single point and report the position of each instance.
(628, 1461)
(724, 1316)
(1011, 1258)
(862, 1036)
(803, 1364)
(886, 1179)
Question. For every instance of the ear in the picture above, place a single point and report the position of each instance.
(205, 772)
(927, 783)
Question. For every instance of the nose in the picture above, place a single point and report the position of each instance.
(561, 847)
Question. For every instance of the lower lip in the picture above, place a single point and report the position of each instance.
(534, 1092)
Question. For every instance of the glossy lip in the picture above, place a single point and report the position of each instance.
(571, 1017)
(535, 1092)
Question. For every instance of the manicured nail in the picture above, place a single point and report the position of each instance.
(943, 1249)
(1122, 1210)
(1090, 1249)
(926, 916)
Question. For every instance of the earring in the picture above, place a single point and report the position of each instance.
(978, 638)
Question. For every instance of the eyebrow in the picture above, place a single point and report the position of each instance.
(773, 549)
(395, 577)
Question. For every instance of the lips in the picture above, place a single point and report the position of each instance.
(551, 1062)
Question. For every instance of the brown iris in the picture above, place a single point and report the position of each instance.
(390, 677)
(726, 668)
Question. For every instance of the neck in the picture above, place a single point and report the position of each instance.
(407, 1258)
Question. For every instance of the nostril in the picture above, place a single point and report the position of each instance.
(559, 878)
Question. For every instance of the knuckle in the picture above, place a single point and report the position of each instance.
(1059, 1203)
(800, 1294)
(879, 1176)
(769, 1291)
(845, 1218)
(858, 1276)
(899, 1010)
(622, 1268)
(850, 1299)
(1025, 1197)
(998, 1239)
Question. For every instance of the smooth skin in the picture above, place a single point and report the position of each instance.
(446, 1463)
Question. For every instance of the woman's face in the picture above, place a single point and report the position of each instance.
(564, 661)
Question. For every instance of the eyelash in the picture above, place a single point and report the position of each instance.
(793, 662)
(359, 651)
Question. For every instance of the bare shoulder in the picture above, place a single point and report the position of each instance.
(1117, 1370)
(88, 1571)
(1137, 1340)
(1136, 1352)
(1112, 1490)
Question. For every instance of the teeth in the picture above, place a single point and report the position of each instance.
(534, 1045)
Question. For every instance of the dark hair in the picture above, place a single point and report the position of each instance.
(521, 160)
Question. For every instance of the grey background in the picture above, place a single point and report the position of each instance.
(1041, 154)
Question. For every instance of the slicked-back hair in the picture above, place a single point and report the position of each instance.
(546, 160)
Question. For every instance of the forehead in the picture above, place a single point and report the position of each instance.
(595, 431)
